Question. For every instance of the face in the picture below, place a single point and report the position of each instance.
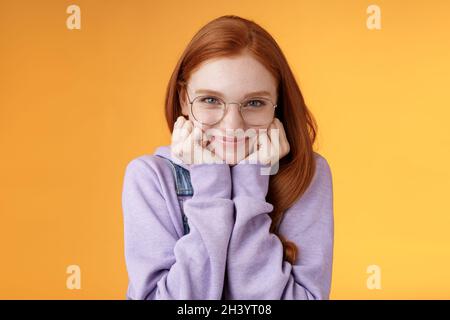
(234, 79)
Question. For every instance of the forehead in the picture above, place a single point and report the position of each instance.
(233, 76)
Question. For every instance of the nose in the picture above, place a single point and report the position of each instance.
(232, 118)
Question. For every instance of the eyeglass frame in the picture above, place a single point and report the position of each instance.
(226, 106)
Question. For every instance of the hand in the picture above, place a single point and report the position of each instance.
(189, 144)
(268, 146)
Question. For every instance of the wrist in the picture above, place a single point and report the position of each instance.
(212, 180)
(250, 180)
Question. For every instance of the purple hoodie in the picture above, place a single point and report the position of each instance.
(229, 252)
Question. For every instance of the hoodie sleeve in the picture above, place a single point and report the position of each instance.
(160, 265)
(255, 268)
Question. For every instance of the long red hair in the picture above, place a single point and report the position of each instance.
(230, 36)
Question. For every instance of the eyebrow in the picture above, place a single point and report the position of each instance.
(217, 93)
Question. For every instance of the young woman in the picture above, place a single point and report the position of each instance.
(213, 226)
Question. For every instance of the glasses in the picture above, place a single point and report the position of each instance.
(209, 110)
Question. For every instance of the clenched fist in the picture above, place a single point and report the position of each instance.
(189, 144)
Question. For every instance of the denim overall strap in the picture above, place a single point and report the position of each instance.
(183, 188)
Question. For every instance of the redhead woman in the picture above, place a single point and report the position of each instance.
(208, 216)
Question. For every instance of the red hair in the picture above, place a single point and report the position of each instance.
(231, 35)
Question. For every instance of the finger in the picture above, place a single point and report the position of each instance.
(181, 121)
(271, 125)
(186, 129)
(177, 122)
(261, 138)
(274, 135)
(250, 136)
(284, 143)
(189, 125)
(195, 142)
(264, 149)
(280, 126)
(275, 145)
(188, 148)
(260, 141)
(204, 141)
(177, 137)
(253, 143)
(197, 136)
(271, 129)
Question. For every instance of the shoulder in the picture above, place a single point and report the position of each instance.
(148, 196)
(146, 168)
(315, 206)
(322, 175)
(320, 190)
(145, 163)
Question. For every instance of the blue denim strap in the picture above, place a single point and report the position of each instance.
(183, 188)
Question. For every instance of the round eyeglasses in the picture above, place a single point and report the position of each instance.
(210, 110)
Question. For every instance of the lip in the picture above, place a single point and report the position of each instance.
(232, 140)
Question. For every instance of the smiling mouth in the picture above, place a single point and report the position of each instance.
(230, 140)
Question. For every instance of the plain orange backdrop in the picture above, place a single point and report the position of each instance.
(77, 105)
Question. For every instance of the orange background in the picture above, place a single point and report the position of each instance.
(77, 105)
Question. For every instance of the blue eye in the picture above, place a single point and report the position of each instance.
(255, 103)
(210, 100)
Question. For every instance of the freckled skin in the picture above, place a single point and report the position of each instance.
(234, 77)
